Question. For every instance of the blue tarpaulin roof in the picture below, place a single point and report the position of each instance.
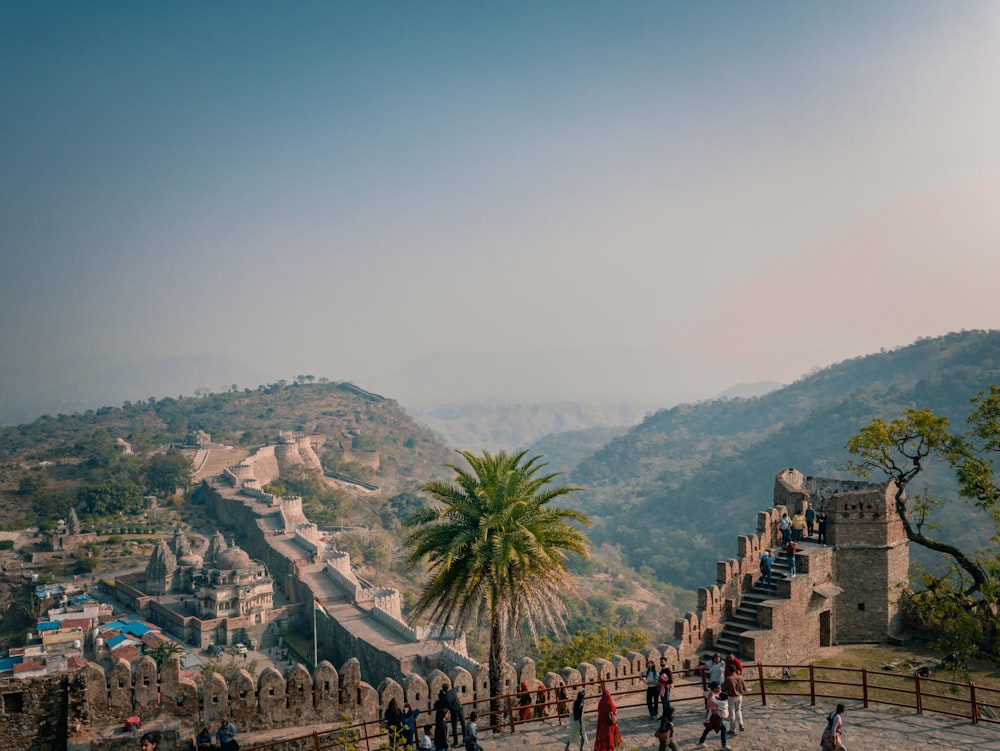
(137, 628)
(114, 641)
(49, 626)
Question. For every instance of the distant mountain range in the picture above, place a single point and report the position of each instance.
(672, 488)
(674, 491)
(71, 391)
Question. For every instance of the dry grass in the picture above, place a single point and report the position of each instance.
(837, 673)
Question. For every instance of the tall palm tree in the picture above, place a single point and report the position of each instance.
(496, 549)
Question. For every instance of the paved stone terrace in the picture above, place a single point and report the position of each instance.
(780, 726)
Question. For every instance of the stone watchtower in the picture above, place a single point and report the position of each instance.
(871, 555)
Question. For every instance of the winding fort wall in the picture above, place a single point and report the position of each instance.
(864, 565)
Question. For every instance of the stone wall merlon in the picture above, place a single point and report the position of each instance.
(397, 625)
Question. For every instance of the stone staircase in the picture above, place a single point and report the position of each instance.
(745, 616)
(262, 637)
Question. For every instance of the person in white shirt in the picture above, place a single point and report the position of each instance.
(652, 688)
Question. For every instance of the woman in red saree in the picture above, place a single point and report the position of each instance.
(524, 701)
(607, 737)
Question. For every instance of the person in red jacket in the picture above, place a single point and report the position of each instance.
(733, 665)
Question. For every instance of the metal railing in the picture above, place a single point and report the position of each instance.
(764, 682)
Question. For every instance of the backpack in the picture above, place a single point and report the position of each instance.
(763, 564)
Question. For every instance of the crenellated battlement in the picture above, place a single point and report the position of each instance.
(865, 562)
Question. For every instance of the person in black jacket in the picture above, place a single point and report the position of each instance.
(457, 714)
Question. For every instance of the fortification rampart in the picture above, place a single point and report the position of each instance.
(805, 607)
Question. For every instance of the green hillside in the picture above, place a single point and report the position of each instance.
(674, 492)
(68, 460)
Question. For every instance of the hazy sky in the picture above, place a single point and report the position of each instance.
(637, 198)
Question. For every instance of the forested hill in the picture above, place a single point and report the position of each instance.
(347, 415)
(674, 491)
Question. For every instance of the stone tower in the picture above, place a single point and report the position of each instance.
(871, 561)
(160, 570)
(180, 543)
(74, 522)
(871, 553)
(215, 546)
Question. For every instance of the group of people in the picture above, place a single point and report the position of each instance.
(225, 737)
(793, 530)
(724, 697)
(402, 724)
(802, 524)
(723, 705)
(658, 685)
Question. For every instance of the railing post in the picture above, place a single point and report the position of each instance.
(919, 697)
(760, 678)
(510, 712)
(315, 740)
(864, 686)
(812, 685)
(975, 702)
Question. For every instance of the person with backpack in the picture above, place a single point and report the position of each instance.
(833, 735)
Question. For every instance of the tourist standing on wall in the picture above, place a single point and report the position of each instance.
(790, 553)
(785, 527)
(798, 526)
(666, 682)
(766, 559)
(821, 527)
(652, 689)
(810, 519)
(577, 735)
(734, 687)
